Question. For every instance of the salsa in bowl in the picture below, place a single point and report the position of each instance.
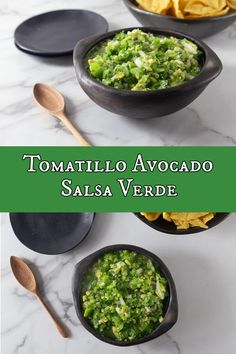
(140, 61)
(144, 72)
(124, 295)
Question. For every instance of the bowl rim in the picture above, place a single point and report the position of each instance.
(208, 71)
(218, 218)
(131, 4)
(171, 314)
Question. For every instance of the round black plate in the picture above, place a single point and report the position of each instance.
(51, 233)
(55, 33)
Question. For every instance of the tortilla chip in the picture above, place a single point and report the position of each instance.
(212, 4)
(205, 8)
(176, 9)
(167, 217)
(158, 6)
(183, 220)
(187, 220)
(182, 4)
(188, 8)
(208, 217)
(151, 216)
(231, 4)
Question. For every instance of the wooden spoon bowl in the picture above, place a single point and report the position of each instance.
(52, 101)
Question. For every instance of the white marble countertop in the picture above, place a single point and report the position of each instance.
(210, 120)
(203, 267)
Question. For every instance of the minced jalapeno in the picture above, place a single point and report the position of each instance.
(123, 295)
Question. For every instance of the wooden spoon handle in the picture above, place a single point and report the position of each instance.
(73, 130)
(60, 328)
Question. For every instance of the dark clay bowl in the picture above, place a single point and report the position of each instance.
(171, 304)
(144, 104)
(167, 227)
(199, 28)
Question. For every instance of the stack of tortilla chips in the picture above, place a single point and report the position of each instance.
(189, 8)
(182, 220)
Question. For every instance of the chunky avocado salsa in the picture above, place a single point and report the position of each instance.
(140, 61)
(123, 295)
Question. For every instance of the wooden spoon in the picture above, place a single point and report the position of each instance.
(53, 102)
(25, 277)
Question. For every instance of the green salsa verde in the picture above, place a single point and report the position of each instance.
(123, 295)
(140, 61)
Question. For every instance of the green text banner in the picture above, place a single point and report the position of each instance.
(108, 179)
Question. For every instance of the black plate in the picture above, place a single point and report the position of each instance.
(170, 305)
(167, 227)
(55, 33)
(51, 233)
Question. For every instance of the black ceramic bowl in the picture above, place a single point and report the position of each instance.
(167, 227)
(171, 304)
(199, 28)
(144, 104)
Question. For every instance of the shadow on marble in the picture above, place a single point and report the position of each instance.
(201, 297)
(72, 107)
(185, 127)
(37, 273)
(162, 345)
(232, 32)
(101, 226)
(112, 26)
(40, 281)
(63, 61)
